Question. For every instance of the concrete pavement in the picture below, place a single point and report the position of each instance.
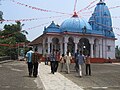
(55, 81)
(105, 76)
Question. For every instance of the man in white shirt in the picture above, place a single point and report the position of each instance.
(29, 61)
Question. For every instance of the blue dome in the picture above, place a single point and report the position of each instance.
(75, 24)
(52, 28)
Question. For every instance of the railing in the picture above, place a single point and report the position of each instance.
(2, 58)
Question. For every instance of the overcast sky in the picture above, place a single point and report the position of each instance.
(13, 11)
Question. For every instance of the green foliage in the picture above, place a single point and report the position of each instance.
(12, 34)
(117, 52)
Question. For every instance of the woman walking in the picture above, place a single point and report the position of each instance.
(62, 61)
(67, 59)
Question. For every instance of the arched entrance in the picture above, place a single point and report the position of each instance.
(55, 44)
(84, 46)
(71, 45)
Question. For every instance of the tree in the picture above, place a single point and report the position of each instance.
(1, 18)
(117, 52)
(12, 34)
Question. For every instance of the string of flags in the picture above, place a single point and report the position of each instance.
(87, 6)
(31, 19)
(39, 9)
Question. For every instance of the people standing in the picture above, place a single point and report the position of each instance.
(62, 62)
(29, 61)
(52, 61)
(57, 56)
(46, 58)
(80, 58)
(35, 62)
(76, 61)
(88, 66)
(67, 60)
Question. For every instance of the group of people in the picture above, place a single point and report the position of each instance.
(33, 59)
(65, 60)
(80, 59)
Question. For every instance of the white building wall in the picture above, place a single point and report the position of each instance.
(110, 51)
(40, 48)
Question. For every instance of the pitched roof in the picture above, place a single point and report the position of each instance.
(37, 40)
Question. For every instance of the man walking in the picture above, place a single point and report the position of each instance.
(52, 61)
(80, 63)
(76, 61)
(88, 66)
(29, 61)
(35, 62)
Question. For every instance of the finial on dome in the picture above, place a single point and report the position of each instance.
(101, 0)
(75, 14)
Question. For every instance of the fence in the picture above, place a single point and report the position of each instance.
(4, 58)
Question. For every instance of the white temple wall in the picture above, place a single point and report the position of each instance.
(40, 48)
(104, 48)
(110, 49)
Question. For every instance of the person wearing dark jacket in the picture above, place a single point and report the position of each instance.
(80, 58)
(76, 61)
(53, 62)
(88, 66)
(35, 62)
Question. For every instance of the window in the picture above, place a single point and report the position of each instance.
(109, 48)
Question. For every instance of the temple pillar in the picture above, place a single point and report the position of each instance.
(43, 47)
(91, 50)
(91, 46)
(76, 43)
(65, 44)
(49, 45)
(61, 46)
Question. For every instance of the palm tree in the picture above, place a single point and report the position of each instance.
(1, 18)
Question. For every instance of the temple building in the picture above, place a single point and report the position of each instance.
(95, 37)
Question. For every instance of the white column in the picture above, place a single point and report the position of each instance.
(43, 47)
(91, 47)
(91, 50)
(65, 44)
(48, 47)
(76, 47)
(61, 48)
(65, 47)
(48, 42)
(76, 43)
(101, 51)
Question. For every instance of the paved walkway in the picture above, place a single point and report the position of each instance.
(55, 81)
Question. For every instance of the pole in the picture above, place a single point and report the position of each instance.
(18, 51)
